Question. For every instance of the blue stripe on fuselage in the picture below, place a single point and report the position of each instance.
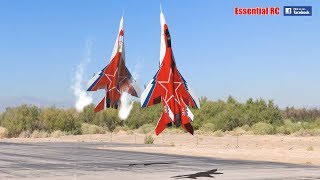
(151, 91)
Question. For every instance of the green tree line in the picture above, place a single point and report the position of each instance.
(260, 115)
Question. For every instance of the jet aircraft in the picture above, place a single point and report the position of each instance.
(169, 87)
(115, 78)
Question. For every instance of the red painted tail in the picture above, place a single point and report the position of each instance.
(162, 123)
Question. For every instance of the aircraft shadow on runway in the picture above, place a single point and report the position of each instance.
(150, 163)
(198, 175)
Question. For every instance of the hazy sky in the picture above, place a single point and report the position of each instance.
(218, 53)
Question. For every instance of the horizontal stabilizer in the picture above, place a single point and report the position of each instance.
(188, 127)
(186, 118)
(187, 115)
(162, 123)
(166, 118)
(101, 106)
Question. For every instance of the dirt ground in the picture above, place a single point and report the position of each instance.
(275, 148)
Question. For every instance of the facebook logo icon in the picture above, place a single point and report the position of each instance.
(288, 10)
(297, 11)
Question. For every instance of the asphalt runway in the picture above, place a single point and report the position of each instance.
(82, 160)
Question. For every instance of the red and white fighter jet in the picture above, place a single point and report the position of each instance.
(170, 88)
(115, 78)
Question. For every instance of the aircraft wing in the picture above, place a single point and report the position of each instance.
(103, 79)
(152, 93)
(183, 90)
(154, 90)
(98, 81)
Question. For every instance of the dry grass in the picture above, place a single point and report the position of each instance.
(39, 134)
(25, 134)
(307, 132)
(237, 131)
(148, 139)
(174, 130)
(57, 134)
(92, 129)
(121, 129)
(146, 128)
(218, 133)
(3, 132)
(130, 132)
(310, 148)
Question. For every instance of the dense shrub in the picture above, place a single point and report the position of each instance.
(146, 128)
(238, 131)
(208, 127)
(92, 129)
(289, 127)
(302, 114)
(259, 116)
(49, 117)
(139, 117)
(262, 128)
(21, 118)
(108, 118)
(231, 114)
(88, 115)
(71, 122)
(54, 119)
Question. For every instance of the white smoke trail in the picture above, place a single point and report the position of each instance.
(137, 68)
(82, 97)
(136, 75)
(125, 106)
(126, 99)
